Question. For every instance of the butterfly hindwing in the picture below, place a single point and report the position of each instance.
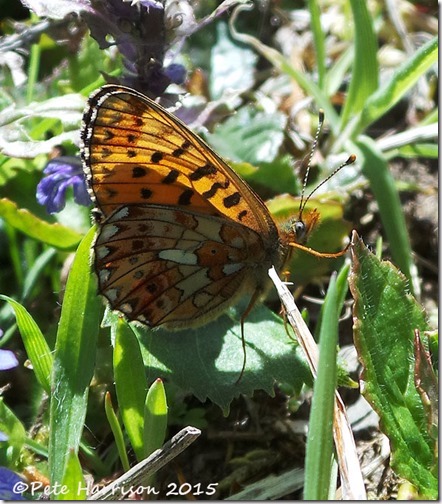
(162, 265)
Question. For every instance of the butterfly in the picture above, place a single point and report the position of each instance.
(181, 237)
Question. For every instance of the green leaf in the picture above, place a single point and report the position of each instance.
(231, 65)
(425, 150)
(319, 38)
(55, 235)
(207, 361)
(11, 426)
(319, 451)
(277, 176)
(37, 349)
(403, 79)
(130, 384)
(250, 136)
(73, 479)
(385, 318)
(74, 360)
(17, 140)
(375, 168)
(155, 417)
(36, 270)
(116, 431)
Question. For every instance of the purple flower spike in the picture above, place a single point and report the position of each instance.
(60, 173)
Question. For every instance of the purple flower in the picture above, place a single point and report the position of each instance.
(11, 485)
(60, 173)
(7, 360)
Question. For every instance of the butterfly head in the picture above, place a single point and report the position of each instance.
(302, 226)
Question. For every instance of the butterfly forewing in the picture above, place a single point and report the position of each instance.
(142, 154)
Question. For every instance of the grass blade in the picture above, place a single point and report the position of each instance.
(365, 74)
(319, 452)
(37, 349)
(375, 168)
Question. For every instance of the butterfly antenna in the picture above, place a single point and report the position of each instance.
(309, 162)
(350, 160)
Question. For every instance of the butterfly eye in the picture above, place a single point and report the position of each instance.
(300, 231)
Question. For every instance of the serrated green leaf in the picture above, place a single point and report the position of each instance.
(55, 235)
(207, 361)
(385, 318)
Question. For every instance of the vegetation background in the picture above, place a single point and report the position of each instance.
(251, 82)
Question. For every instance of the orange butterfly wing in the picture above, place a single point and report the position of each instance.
(182, 236)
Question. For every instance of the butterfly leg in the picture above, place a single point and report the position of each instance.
(251, 304)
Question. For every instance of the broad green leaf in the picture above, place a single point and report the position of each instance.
(329, 236)
(277, 176)
(37, 349)
(207, 361)
(130, 384)
(16, 140)
(231, 65)
(385, 319)
(55, 235)
(74, 360)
